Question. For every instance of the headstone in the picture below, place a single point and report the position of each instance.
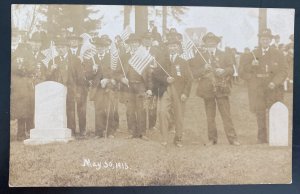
(50, 114)
(278, 125)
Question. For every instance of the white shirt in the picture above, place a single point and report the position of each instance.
(173, 57)
(74, 50)
(100, 57)
(264, 51)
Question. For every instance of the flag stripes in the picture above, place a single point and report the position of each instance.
(49, 54)
(88, 50)
(114, 56)
(86, 37)
(187, 48)
(140, 60)
(126, 32)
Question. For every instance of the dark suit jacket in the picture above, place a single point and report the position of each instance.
(178, 70)
(206, 86)
(145, 80)
(63, 73)
(273, 65)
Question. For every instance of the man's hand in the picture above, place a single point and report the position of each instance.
(207, 67)
(54, 66)
(104, 82)
(170, 80)
(149, 93)
(220, 71)
(113, 82)
(271, 85)
(255, 63)
(95, 67)
(125, 81)
(183, 97)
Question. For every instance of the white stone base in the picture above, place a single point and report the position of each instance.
(46, 136)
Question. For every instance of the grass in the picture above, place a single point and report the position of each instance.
(150, 163)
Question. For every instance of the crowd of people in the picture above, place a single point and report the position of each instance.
(154, 97)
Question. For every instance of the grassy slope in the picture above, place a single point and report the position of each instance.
(152, 164)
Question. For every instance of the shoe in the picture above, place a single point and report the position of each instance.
(97, 137)
(145, 138)
(210, 143)
(179, 144)
(164, 143)
(111, 136)
(130, 137)
(262, 142)
(235, 143)
(81, 137)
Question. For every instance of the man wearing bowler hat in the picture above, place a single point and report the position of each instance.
(136, 88)
(265, 70)
(214, 71)
(79, 89)
(175, 84)
(104, 87)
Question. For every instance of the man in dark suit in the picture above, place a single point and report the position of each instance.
(265, 70)
(214, 70)
(136, 87)
(77, 92)
(22, 93)
(176, 79)
(104, 87)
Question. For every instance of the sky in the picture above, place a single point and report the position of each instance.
(237, 26)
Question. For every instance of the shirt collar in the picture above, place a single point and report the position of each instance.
(212, 51)
(74, 49)
(265, 49)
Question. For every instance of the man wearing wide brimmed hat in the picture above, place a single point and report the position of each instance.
(22, 93)
(103, 88)
(58, 68)
(77, 93)
(265, 71)
(214, 70)
(174, 82)
(135, 87)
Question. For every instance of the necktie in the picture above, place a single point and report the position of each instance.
(173, 58)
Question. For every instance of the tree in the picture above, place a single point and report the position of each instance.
(262, 22)
(127, 11)
(61, 17)
(141, 19)
(175, 11)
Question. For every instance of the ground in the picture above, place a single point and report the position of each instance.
(133, 162)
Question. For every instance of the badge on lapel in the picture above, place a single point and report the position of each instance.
(178, 72)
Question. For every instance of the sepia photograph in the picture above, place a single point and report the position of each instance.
(130, 95)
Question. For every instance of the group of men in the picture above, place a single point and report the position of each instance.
(155, 97)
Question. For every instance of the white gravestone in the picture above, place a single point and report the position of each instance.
(278, 125)
(50, 114)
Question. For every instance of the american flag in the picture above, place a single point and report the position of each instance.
(126, 32)
(87, 51)
(114, 56)
(86, 37)
(140, 60)
(187, 48)
(49, 53)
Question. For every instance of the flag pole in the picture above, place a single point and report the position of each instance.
(123, 69)
(161, 67)
(253, 56)
(52, 52)
(196, 49)
(107, 113)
